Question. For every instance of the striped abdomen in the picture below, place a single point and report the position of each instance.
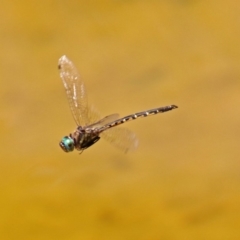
(137, 115)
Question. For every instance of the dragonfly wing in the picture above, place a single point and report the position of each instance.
(103, 121)
(75, 89)
(121, 138)
(93, 115)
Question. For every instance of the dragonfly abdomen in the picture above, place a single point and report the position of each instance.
(137, 115)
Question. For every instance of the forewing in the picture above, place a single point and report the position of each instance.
(75, 89)
(121, 138)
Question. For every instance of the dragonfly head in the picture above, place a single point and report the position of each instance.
(67, 144)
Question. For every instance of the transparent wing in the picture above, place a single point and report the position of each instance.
(121, 138)
(104, 121)
(75, 89)
(93, 115)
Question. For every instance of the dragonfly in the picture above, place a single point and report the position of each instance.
(89, 128)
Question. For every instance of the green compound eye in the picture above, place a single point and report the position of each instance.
(67, 144)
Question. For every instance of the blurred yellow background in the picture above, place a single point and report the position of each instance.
(183, 182)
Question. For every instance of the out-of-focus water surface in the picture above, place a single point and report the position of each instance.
(183, 182)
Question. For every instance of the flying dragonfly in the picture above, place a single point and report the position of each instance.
(89, 128)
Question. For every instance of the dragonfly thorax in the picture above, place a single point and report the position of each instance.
(79, 139)
(84, 137)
